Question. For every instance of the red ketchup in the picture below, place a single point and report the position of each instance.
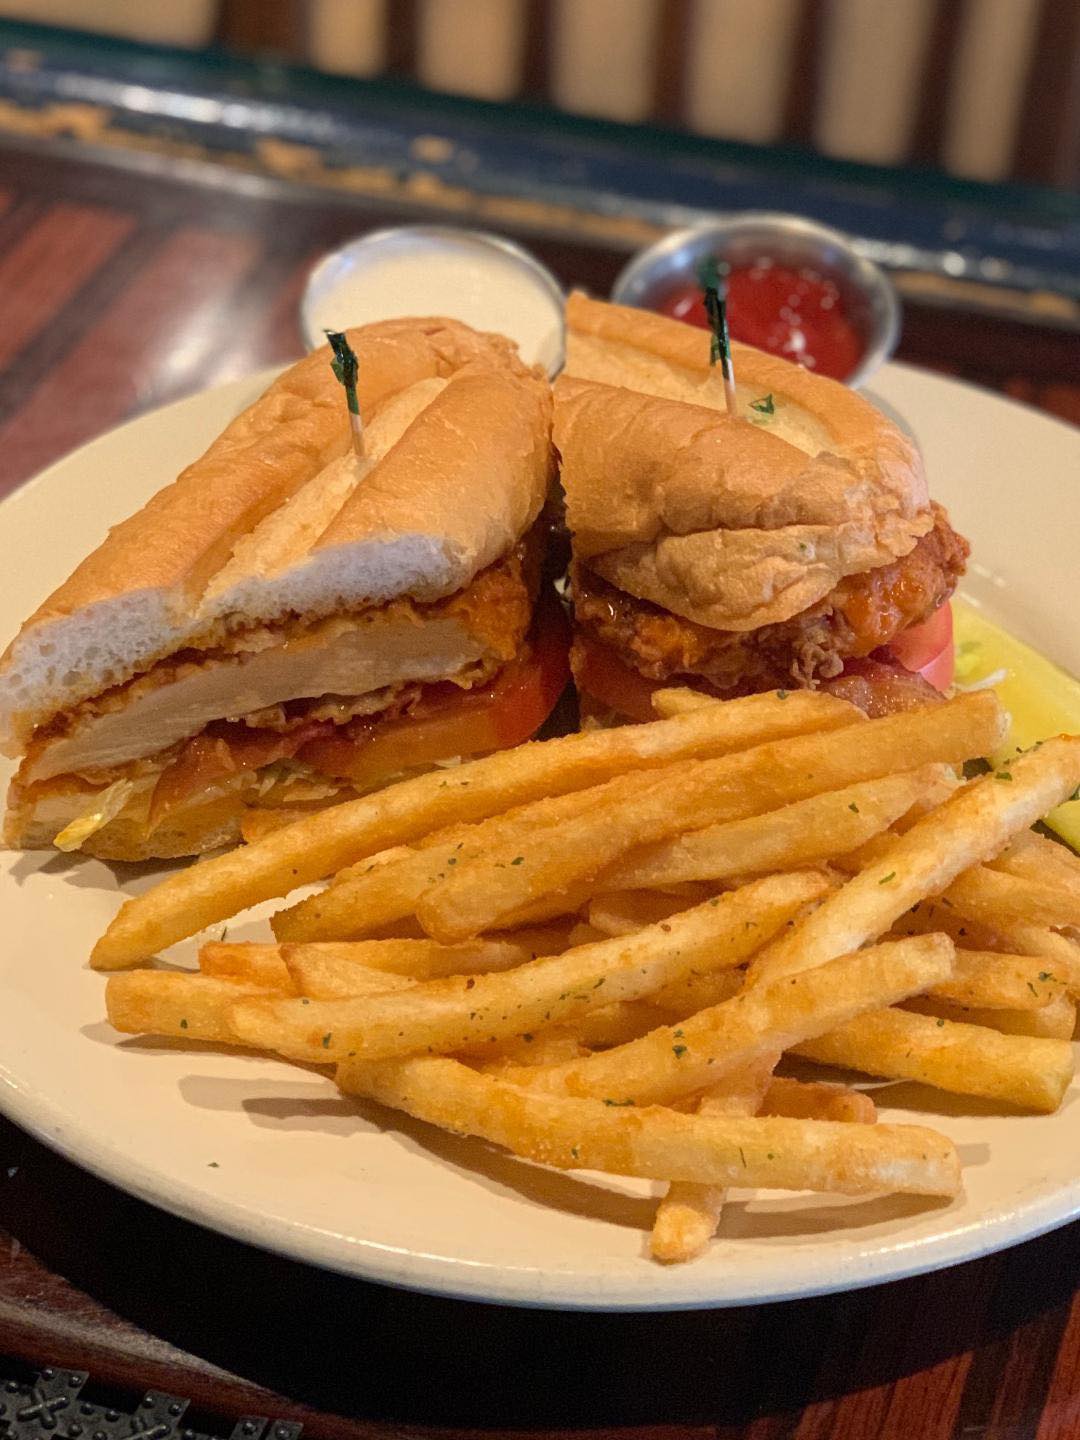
(797, 314)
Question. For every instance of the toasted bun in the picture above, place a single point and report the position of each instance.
(732, 523)
(274, 519)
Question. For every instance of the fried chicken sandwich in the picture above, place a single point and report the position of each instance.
(792, 544)
(289, 622)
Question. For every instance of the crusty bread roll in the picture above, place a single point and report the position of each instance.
(273, 519)
(727, 523)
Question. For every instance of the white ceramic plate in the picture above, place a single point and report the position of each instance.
(274, 1156)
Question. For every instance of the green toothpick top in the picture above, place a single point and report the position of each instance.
(713, 282)
(345, 366)
(346, 369)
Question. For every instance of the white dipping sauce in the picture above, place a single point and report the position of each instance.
(462, 274)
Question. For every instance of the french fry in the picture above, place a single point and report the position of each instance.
(534, 862)
(328, 977)
(550, 910)
(367, 896)
(661, 1144)
(681, 700)
(166, 1002)
(1017, 898)
(681, 1059)
(687, 1216)
(1060, 954)
(971, 826)
(245, 960)
(1056, 1021)
(997, 898)
(616, 1024)
(818, 1100)
(1005, 936)
(987, 980)
(426, 960)
(605, 1026)
(451, 1014)
(404, 929)
(269, 965)
(550, 1047)
(255, 824)
(601, 1028)
(1037, 857)
(869, 853)
(324, 842)
(623, 912)
(696, 992)
(1032, 1074)
(531, 941)
(356, 904)
(389, 856)
(938, 915)
(980, 913)
(803, 833)
(945, 784)
(564, 908)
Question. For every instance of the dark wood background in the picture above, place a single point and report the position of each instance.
(122, 288)
(985, 1351)
(1047, 144)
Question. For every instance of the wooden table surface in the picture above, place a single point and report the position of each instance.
(120, 289)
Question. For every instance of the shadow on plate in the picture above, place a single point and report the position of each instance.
(278, 1105)
(74, 869)
(102, 1033)
(909, 1095)
(798, 1218)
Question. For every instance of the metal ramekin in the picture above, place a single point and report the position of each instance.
(327, 272)
(870, 301)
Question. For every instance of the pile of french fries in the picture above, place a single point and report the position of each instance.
(597, 950)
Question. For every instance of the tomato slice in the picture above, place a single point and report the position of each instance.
(210, 758)
(447, 722)
(473, 722)
(881, 687)
(604, 677)
(921, 653)
(927, 649)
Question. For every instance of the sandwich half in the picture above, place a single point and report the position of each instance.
(794, 544)
(286, 624)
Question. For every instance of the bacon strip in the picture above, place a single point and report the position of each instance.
(211, 758)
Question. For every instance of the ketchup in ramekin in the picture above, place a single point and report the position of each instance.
(797, 314)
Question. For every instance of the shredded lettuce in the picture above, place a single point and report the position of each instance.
(104, 806)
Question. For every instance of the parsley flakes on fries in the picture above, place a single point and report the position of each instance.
(595, 950)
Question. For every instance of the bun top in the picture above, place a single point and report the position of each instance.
(732, 523)
(279, 518)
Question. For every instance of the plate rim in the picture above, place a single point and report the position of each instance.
(657, 1290)
(483, 1282)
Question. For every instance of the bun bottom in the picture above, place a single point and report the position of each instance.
(190, 830)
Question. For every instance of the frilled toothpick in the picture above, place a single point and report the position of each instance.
(713, 282)
(346, 367)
